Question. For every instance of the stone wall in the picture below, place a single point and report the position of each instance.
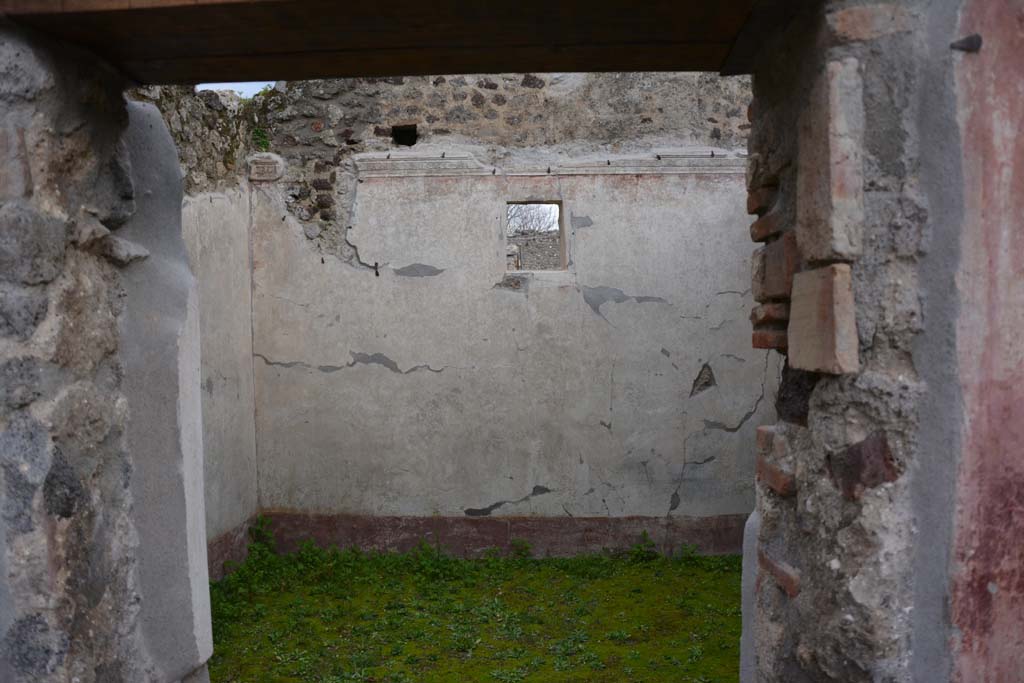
(538, 252)
(318, 126)
(841, 223)
(860, 207)
(91, 589)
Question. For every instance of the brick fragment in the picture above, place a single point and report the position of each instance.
(785, 575)
(765, 438)
(864, 465)
(762, 199)
(830, 176)
(773, 267)
(868, 22)
(771, 465)
(775, 477)
(769, 338)
(766, 227)
(822, 322)
(767, 314)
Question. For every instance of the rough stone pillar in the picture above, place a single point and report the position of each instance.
(889, 492)
(102, 573)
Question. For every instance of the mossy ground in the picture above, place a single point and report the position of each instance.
(332, 616)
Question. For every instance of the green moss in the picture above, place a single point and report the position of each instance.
(334, 616)
(260, 139)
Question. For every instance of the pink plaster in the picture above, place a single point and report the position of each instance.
(988, 569)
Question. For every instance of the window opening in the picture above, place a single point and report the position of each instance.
(534, 238)
(404, 135)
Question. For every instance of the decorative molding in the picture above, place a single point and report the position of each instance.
(699, 161)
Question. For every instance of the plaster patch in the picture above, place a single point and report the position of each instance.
(598, 296)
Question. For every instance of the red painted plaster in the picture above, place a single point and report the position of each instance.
(472, 536)
(988, 570)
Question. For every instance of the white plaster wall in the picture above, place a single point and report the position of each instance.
(540, 401)
(216, 231)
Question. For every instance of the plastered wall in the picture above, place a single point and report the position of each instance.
(432, 388)
(435, 385)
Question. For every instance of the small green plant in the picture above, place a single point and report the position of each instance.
(260, 533)
(521, 549)
(644, 550)
(260, 139)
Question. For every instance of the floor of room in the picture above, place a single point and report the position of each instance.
(328, 616)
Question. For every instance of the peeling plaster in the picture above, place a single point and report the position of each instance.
(578, 222)
(485, 511)
(514, 283)
(598, 296)
(704, 380)
(418, 270)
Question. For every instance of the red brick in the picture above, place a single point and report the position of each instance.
(773, 267)
(769, 338)
(765, 436)
(786, 576)
(822, 322)
(830, 174)
(774, 477)
(766, 227)
(759, 201)
(766, 314)
(864, 465)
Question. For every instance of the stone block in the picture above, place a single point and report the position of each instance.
(785, 575)
(830, 178)
(822, 323)
(773, 267)
(15, 174)
(868, 22)
(19, 380)
(31, 244)
(21, 310)
(265, 167)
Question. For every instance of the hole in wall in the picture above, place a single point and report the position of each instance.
(534, 238)
(404, 135)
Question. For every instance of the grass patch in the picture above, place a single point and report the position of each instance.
(336, 616)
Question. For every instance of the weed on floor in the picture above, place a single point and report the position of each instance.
(330, 616)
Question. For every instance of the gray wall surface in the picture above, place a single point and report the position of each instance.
(624, 385)
(160, 351)
(216, 232)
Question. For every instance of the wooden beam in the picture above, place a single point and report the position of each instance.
(175, 41)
